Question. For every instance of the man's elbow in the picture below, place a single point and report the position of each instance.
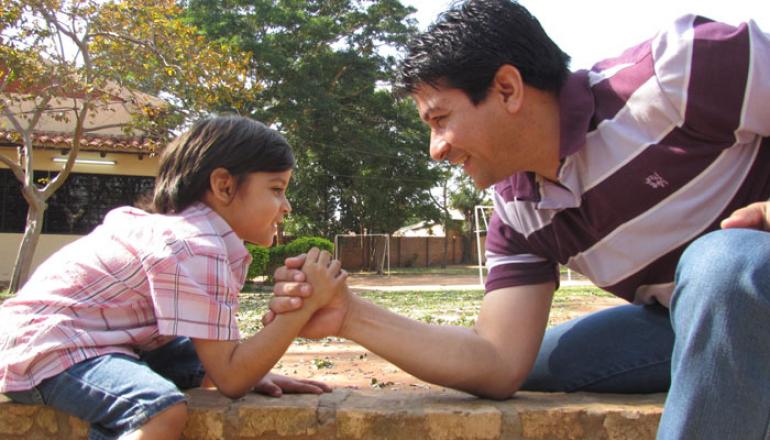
(498, 387)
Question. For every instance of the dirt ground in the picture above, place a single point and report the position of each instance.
(344, 364)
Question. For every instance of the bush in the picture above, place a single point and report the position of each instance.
(259, 259)
(277, 256)
(267, 260)
(303, 244)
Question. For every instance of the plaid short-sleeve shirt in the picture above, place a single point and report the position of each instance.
(137, 281)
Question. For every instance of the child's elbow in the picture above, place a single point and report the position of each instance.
(232, 389)
(233, 392)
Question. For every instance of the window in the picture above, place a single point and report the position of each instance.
(77, 207)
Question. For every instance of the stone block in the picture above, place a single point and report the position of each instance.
(16, 419)
(46, 420)
(207, 415)
(291, 416)
(467, 422)
(442, 415)
(556, 416)
(78, 428)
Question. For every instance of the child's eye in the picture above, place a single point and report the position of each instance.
(277, 190)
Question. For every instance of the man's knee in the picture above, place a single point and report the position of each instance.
(720, 265)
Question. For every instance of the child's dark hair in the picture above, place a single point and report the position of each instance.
(470, 42)
(239, 145)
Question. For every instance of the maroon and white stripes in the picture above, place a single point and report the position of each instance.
(658, 145)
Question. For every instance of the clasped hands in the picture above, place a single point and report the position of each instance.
(301, 279)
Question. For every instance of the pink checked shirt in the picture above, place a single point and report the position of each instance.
(134, 283)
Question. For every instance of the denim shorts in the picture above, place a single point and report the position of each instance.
(118, 394)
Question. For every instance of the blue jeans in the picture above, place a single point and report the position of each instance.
(712, 353)
(118, 394)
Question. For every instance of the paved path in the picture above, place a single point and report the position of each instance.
(429, 282)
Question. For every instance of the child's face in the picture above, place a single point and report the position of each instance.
(259, 206)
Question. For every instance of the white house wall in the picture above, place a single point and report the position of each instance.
(125, 165)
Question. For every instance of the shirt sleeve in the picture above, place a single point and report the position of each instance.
(511, 262)
(193, 294)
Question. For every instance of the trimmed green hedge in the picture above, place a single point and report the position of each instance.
(259, 258)
(267, 260)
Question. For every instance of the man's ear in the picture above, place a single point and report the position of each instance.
(508, 86)
(222, 185)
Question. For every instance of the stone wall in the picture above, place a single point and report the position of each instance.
(364, 415)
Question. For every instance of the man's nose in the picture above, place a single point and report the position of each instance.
(439, 148)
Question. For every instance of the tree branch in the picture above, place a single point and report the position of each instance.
(138, 42)
(13, 166)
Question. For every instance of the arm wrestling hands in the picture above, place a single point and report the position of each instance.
(290, 292)
(490, 360)
(239, 366)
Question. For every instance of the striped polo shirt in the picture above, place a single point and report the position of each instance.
(657, 146)
(134, 283)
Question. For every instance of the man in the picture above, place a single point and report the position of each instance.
(623, 173)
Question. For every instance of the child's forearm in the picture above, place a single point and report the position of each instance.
(236, 369)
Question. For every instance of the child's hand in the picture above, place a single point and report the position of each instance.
(326, 277)
(276, 385)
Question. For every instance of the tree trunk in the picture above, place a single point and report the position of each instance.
(468, 249)
(446, 228)
(28, 244)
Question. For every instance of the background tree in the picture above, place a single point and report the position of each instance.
(465, 197)
(67, 59)
(324, 67)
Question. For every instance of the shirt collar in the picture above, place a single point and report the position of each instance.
(576, 108)
(235, 248)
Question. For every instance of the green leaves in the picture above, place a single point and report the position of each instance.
(362, 159)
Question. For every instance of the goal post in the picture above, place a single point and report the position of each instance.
(369, 241)
(481, 224)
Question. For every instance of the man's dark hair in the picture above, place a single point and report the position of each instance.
(468, 43)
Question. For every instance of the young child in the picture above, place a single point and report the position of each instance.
(113, 325)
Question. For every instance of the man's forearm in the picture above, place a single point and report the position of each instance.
(454, 357)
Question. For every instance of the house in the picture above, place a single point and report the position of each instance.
(112, 169)
(428, 228)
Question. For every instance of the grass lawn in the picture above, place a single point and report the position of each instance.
(453, 307)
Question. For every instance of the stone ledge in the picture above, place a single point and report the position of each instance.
(353, 415)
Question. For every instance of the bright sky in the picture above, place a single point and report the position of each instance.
(591, 30)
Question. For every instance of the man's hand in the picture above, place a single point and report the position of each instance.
(288, 293)
(289, 289)
(754, 216)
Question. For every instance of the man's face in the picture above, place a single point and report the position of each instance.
(474, 136)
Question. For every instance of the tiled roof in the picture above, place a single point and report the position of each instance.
(89, 142)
